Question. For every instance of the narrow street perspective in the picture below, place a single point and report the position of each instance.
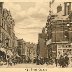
(36, 34)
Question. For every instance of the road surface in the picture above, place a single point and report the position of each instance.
(30, 66)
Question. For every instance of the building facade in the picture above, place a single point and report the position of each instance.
(6, 26)
(30, 50)
(56, 37)
(7, 34)
(59, 31)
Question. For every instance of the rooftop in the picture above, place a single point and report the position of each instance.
(60, 16)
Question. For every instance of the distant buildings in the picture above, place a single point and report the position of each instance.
(30, 50)
(21, 47)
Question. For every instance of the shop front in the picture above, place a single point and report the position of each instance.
(64, 49)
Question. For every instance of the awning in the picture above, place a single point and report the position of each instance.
(9, 53)
(3, 50)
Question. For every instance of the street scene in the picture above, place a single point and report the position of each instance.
(36, 35)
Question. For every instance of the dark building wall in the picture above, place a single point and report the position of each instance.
(42, 46)
(43, 50)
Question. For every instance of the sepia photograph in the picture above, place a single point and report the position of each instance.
(36, 34)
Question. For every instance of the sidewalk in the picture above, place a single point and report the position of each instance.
(6, 66)
(32, 65)
(3, 66)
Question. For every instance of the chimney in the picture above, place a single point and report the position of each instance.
(59, 8)
(67, 8)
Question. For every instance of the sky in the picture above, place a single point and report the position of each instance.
(30, 18)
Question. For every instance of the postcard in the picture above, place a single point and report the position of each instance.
(36, 36)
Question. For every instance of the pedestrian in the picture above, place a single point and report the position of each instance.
(63, 64)
(14, 61)
(41, 61)
(61, 61)
(47, 60)
(10, 62)
(66, 60)
(56, 61)
(34, 60)
(37, 61)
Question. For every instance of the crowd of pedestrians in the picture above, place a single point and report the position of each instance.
(10, 61)
(41, 61)
(62, 61)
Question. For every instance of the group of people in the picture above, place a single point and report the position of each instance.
(42, 61)
(63, 61)
(9, 61)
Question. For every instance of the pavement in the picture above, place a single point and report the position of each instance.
(27, 66)
(30, 66)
